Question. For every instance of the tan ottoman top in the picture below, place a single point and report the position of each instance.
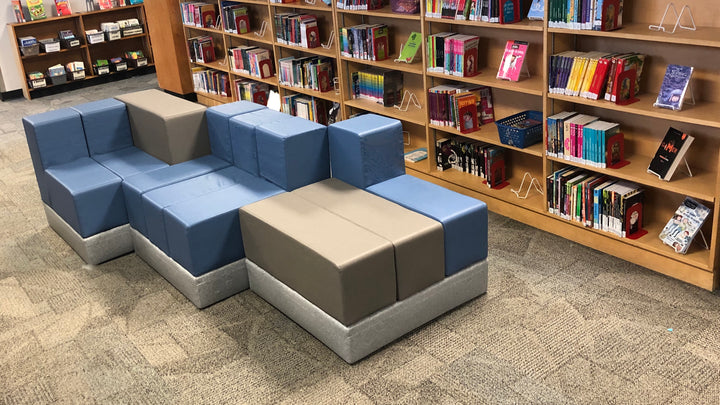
(344, 269)
(161, 103)
(417, 239)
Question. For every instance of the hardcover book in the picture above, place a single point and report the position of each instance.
(679, 232)
(105, 4)
(17, 10)
(512, 60)
(509, 11)
(674, 87)
(63, 7)
(537, 10)
(671, 151)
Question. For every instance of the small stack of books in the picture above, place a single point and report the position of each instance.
(596, 75)
(199, 14)
(297, 29)
(473, 157)
(464, 107)
(310, 108)
(251, 60)
(382, 86)
(310, 72)
(453, 54)
(235, 17)
(598, 15)
(251, 90)
(211, 81)
(585, 139)
(595, 200)
(202, 49)
(365, 41)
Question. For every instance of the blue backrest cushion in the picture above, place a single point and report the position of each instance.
(243, 139)
(218, 122)
(106, 125)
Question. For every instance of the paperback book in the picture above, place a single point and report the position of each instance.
(17, 10)
(63, 7)
(674, 86)
(671, 152)
(36, 9)
(682, 228)
(512, 60)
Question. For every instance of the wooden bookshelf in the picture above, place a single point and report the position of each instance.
(78, 23)
(643, 125)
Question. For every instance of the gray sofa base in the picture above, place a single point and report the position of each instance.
(370, 334)
(202, 291)
(94, 249)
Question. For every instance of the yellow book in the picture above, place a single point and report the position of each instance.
(577, 61)
(588, 78)
(581, 76)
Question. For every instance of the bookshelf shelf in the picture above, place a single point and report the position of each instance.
(42, 55)
(528, 85)
(273, 81)
(220, 65)
(703, 113)
(524, 25)
(413, 115)
(414, 68)
(384, 12)
(203, 29)
(143, 35)
(642, 124)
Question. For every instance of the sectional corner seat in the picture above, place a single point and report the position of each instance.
(358, 260)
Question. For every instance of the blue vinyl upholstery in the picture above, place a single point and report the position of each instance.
(204, 233)
(135, 186)
(464, 219)
(129, 161)
(244, 140)
(293, 153)
(367, 149)
(106, 125)
(218, 122)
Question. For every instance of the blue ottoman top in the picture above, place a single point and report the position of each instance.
(219, 127)
(366, 150)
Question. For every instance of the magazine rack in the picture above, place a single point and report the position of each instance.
(533, 182)
(670, 7)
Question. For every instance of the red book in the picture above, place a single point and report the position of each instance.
(242, 23)
(469, 52)
(208, 14)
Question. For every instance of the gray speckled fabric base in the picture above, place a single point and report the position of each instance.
(202, 291)
(95, 249)
(372, 333)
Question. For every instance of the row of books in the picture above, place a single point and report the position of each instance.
(495, 11)
(453, 54)
(211, 81)
(598, 15)
(310, 72)
(596, 75)
(584, 139)
(473, 157)
(310, 108)
(464, 107)
(382, 86)
(235, 17)
(596, 200)
(297, 29)
(201, 49)
(251, 90)
(361, 5)
(365, 41)
(199, 14)
(251, 60)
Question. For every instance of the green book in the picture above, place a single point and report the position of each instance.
(411, 47)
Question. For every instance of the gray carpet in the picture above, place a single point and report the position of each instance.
(561, 323)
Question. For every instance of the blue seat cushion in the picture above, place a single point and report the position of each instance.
(243, 139)
(464, 219)
(129, 161)
(135, 186)
(293, 153)
(218, 118)
(366, 149)
(106, 123)
(204, 233)
(54, 138)
(87, 196)
(155, 201)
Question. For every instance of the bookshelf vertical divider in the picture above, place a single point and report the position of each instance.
(643, 124)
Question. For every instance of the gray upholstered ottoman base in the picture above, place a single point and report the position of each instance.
(202, 291)
(362, 338)
(94, 249)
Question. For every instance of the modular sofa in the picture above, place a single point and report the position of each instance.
(358, 259)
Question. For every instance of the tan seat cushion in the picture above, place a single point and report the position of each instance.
(417, 239)
(167, 127)
(344, 269)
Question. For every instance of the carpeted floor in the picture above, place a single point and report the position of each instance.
(560, 323)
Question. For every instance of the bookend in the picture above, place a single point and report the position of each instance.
(690, 99)
(704, 241)
(412, 98)
(678, 17)
(406, 134)
(498, 186)
(524, 71)
(624, 87)
(336, 84)
(330, 41)
(533, 182)
(263, 28)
